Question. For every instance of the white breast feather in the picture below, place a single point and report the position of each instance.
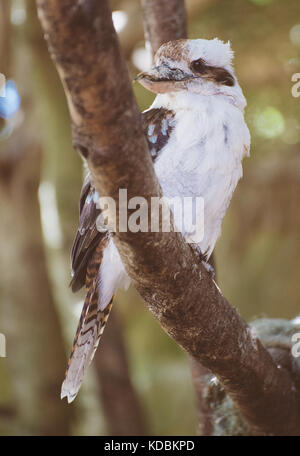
(203, 156)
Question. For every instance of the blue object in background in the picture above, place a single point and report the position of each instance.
(9, 104)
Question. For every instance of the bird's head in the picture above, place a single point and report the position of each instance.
(197, 66)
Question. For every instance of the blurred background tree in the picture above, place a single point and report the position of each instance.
(256, 256)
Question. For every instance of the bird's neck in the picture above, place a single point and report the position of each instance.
(185, 100)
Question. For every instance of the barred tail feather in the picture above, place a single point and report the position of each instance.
(91, 325)
(89, 332)
(105, 274)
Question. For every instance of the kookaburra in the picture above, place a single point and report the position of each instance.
(197, 138)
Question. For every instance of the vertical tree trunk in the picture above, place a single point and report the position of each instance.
(120, 402)
(35, 354)
(61, 165)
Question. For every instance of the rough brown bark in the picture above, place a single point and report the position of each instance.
(164, 269)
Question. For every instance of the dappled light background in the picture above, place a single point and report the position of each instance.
(257, 256)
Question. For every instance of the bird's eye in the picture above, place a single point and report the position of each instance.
(223, 77)
(198, 66)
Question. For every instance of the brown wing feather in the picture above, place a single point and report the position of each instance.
(87, 237)
(158, 125)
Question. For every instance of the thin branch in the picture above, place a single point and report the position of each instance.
(165, 270)
(133, 32)
(164, 21)
(119, 399)
(28, 316)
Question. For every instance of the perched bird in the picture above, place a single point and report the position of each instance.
(197, 137)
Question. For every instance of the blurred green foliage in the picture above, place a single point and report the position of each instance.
(258, 253)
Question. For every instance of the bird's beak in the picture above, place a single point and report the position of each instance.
(162, 79)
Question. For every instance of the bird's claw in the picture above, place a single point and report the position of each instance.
(202, 257)
(209, 269)
(198, 251)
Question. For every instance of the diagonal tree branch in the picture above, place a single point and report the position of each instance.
(165, 270)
